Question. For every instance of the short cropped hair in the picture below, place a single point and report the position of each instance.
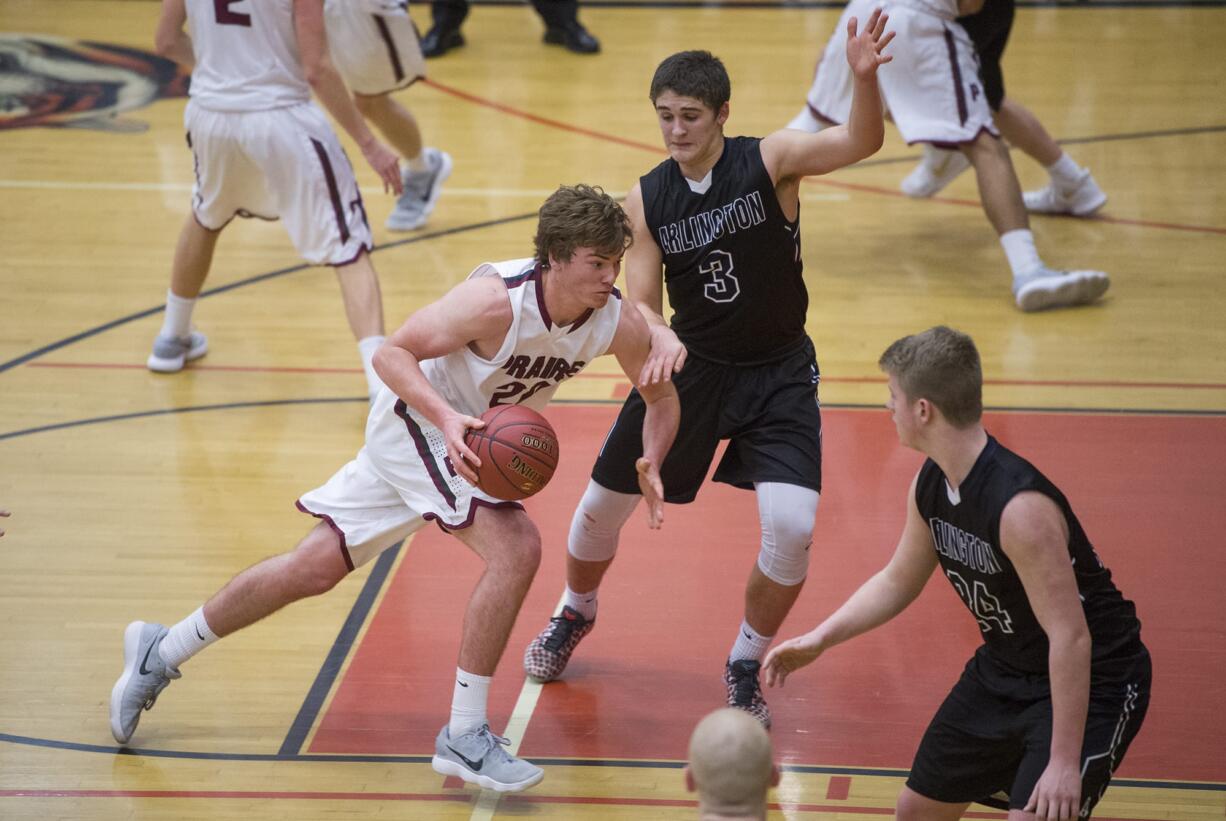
(580, 216)
(942, 366)
(731, 762)
(697, 74)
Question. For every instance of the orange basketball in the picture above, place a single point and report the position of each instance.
(518, 451)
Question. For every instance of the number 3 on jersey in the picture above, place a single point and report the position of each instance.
(983, 605)
(723, 285)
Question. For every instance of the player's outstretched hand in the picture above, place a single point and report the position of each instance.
(653, 491)
(788, 657)
(1057, 796)
(666, 358)
(864, 48)
(461, 455)
(4, 514)
(386, 164)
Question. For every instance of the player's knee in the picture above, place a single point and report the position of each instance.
(518, 554)
(787, 513)
(597, 523)
(317, 565)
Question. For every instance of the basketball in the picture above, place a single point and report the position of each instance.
(518, 451)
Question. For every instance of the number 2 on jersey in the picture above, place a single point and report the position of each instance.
(226, 17)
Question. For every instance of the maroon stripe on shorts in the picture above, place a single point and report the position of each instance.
(392, 54)
(957, 72)
(333, 192)
(427, 457)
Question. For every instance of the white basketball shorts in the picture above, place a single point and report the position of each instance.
(400, 481)
(283, 163)
(931, 87)
(373, 44)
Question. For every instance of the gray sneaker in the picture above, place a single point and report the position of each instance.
(144, 676)
(171, 353)
(937, 169)
(1048, 288)
(421, 190)
(478, 757)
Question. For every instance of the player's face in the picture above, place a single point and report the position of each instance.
(690, 127)
(589, 275)
(902, 411)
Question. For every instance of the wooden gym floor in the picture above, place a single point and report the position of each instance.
(136, 495)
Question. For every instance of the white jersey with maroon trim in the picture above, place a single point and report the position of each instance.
(536, 356)
(246, 55)
(945, 9)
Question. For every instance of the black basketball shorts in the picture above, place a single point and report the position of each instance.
(989, 31)
(768, 413)
(990, 740)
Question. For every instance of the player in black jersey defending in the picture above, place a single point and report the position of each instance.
(718, 224)
(1049, 703)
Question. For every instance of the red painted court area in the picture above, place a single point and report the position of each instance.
(1148, 489)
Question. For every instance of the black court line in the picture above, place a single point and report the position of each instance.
(242, 283)
(331, 668)
(645, 764)
(1101, 138)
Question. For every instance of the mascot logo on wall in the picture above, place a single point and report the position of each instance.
(51, 82)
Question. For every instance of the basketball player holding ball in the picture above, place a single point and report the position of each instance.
(508, 335)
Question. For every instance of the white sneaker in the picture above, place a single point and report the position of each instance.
(421, 191)
(1080, 201)
(1047, 288)
(478, 757)
(170, 353)
(937, 169)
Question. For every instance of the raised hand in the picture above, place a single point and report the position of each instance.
(864, 48)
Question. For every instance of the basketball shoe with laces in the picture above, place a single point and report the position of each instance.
(548, 653)
(145, 675)
(478, 757)
(744, 691)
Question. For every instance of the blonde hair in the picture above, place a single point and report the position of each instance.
(942, 366)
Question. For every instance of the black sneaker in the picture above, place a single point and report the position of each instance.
(548, 653)
(439, 40)
(574, 36)
(744, 691)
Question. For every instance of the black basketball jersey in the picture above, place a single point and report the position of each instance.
(966, 536)
(731, 260)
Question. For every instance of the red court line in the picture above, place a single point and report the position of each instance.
(1055, 383)
(868, 189)
(461, 798)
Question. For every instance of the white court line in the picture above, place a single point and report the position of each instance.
(370, 191)
(487, 803)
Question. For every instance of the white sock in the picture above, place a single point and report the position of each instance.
(178, 319)
(1065, 172)
(468, 703)
(417, 163)
(186, 639)
(582, 603)
(750, 644)
(1020, 250)
(366, 350)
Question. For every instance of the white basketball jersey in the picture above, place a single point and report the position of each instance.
(945, 9)
(536, 356)
(246, 55)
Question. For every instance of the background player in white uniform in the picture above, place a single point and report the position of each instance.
(447, 364)
(375, 48)
(263, 149)
(933, 93)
